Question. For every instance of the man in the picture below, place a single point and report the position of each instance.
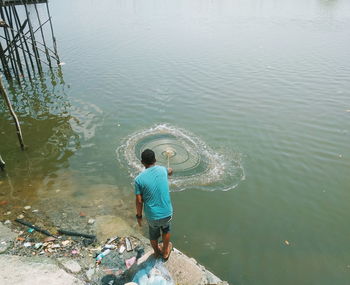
(152, 192)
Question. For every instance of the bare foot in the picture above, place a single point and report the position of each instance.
(166, 252)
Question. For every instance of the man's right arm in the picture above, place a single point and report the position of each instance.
(139, 206)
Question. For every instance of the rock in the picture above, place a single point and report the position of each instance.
(27, 207)
(90, 273)
(27, 244)
(20, 216)
(71, 265)
(91, 221)
(35, 211)
(7, 222)
(7, 213)
(65, 242)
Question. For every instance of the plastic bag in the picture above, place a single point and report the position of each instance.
(153, 273)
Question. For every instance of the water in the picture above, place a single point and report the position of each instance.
(265, 83)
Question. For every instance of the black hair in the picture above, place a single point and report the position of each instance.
(148, 157)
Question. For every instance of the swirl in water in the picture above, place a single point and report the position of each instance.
(195, 165)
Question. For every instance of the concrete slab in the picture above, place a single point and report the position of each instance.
(19, 270)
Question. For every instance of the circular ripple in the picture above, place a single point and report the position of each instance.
(194, 163)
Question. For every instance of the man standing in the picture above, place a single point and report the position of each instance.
(152, 192)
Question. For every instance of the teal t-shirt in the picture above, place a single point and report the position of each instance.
(153, 185)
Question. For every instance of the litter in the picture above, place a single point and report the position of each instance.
(130, 262)
(122, 249)
(153, 273)
(128, 245)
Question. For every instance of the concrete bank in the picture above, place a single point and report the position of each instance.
(35, 266)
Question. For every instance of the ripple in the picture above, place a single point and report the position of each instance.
(195, 164)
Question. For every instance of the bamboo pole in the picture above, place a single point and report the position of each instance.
(13, 114)
(25, 43)
(52, 34)
(19, 28)
(42, 35)
(4, 64)
(14, 39)
(35, 49)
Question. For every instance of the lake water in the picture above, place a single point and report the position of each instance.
(264, 84)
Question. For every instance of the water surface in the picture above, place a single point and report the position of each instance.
(264, 82)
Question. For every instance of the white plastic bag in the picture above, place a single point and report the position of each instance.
(153, 273)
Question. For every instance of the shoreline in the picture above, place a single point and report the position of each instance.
(70, 260)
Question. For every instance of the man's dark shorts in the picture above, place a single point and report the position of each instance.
(157, 226)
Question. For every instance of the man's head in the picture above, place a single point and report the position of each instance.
(148, 157)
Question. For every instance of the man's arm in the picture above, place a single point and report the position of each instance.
(139, 206)
(170, 171)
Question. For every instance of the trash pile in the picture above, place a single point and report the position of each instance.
(63, 244)
(115, 257)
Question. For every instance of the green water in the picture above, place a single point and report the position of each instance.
(265, 83)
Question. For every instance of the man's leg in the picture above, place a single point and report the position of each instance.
(166, 243)
(155, 246)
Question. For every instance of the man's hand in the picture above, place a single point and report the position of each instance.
(170, 171)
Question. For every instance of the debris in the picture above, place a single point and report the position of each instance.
(109, 246)
(113, 239)
(128, 244)
(7, 213)
(129, 262)
(30, 230)
(20, 216)
(38, 245)
(27, 244)
(82, 214)
(62, 63)
(102, 255)
(7, 222)
(56, 245)
(91, 221)
(122, 249)
(27, 207)
(49, 239)
(87, 241)
(58, 190)
(35, 211)
(65, 242)
(21, 239)
(34, 227)
(3, 203)
(74, 252)
(69, 233)
(286, 242)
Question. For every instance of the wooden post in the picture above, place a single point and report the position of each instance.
(13, 114)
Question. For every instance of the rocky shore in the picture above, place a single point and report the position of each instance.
(30, 257)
